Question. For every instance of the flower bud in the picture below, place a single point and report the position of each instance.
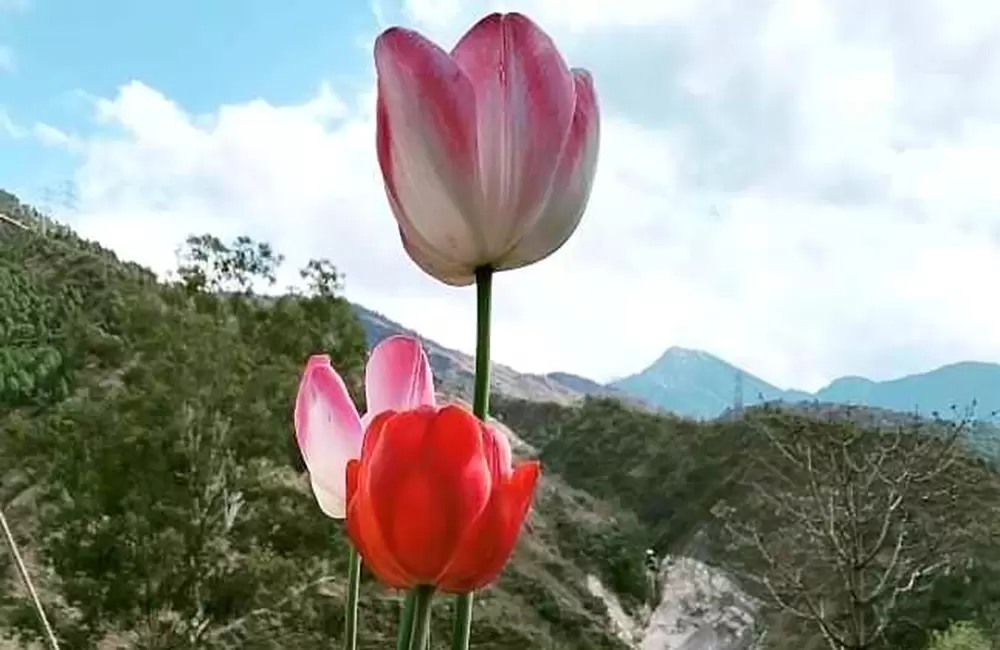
(488, 153)
(434, 499)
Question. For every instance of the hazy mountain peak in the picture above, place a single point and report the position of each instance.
(678, 359)
(694, 382)
(678, 353)
(849, 381)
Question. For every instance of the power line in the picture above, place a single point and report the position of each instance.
(61, 333)
(14, 222)
(43, 233)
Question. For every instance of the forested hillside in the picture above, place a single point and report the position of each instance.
(149, 469)
(148, 466)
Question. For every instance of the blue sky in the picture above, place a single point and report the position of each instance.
(806, 188)
(201, 54)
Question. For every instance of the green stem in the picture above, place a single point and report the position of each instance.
(480, 408)
(406, 621)
(424, 596)
(484, 305)
(353, 591)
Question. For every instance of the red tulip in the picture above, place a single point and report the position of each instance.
(434, 499)
(488, 153)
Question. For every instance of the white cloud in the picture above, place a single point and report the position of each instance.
(440, 13)
(51, 136)
(804, 187)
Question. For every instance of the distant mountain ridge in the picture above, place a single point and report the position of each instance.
(697, 384)
(701, 385)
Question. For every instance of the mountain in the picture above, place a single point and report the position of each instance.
(953, 387)
(697, 384)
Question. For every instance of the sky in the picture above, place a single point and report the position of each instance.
(806, 188)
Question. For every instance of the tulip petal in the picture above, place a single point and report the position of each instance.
(452, 273)
(476, 546)
(426, 143)
(422, 252)
(453, 451)
(524, 98)
(373, 427)
(363, 527)
(497, 449)
(328, 431)
(455, 438)
(398, 376)
(571, 186)
(353, 477)
(390, 457)
(365, 534)
(420, 526)
(515, 501)
(332, 503)
(391, 445)
(489, 542)
(353, 474)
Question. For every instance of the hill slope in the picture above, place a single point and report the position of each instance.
(772, 498)
(150, 470)
(698, 384)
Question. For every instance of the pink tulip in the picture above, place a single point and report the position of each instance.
(327, 425)
(488, 153)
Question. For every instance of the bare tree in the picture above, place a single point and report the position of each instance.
(840, 522)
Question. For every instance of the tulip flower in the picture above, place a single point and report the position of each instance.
(488, 153)
(434, 499)
(328, 428)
